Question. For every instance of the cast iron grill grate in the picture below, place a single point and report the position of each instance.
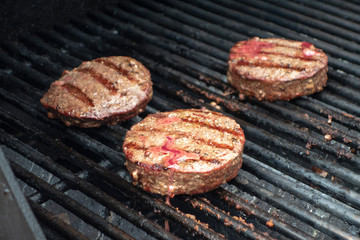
(293, 184)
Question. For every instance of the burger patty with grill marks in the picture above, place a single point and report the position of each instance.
(185, 151)
(103, 91)
(276, 69)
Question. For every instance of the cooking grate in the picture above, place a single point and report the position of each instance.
(293, 184)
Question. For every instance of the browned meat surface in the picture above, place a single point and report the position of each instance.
(185, 151)
(276, 69)
(103, 91)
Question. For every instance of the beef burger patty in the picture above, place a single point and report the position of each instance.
(103, 91)
(276, 69)
(186, 151)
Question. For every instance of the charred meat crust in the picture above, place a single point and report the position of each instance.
(88, 122)
(103, 91)
(272, 91)
(159, 180)
(184, 151)
(276, 69)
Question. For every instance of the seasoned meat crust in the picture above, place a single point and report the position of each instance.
(186, 151)
(103, 91)
(276, 69)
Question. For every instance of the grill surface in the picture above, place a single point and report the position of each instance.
(294, 184)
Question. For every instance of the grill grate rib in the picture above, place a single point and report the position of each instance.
(57, 223)
(281, 202)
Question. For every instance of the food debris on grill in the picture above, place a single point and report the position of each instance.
(329, 119)
(327, 137)
(343, 152)
(214, 104)
(270, 223)
(103, 91)
(240, 219)
(319, 171)
(186, 151)
(276, 69)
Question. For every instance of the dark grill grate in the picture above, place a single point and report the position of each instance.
(75, 179)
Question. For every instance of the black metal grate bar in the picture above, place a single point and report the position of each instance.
(322, 16)
(326, 110)
(53, 52)
(278, 201)
(313, 27)
(69, 203)
(236, 223)
(297, 188)
(334, 7)
(38, 62)
(65, 229)
(265, 217)
(306, 175)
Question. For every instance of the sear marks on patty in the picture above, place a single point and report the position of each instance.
(276, 69)
(103, 91)
(186, 151)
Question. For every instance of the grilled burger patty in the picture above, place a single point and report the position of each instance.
(276, 69)
(103, 91)
(186, 151)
